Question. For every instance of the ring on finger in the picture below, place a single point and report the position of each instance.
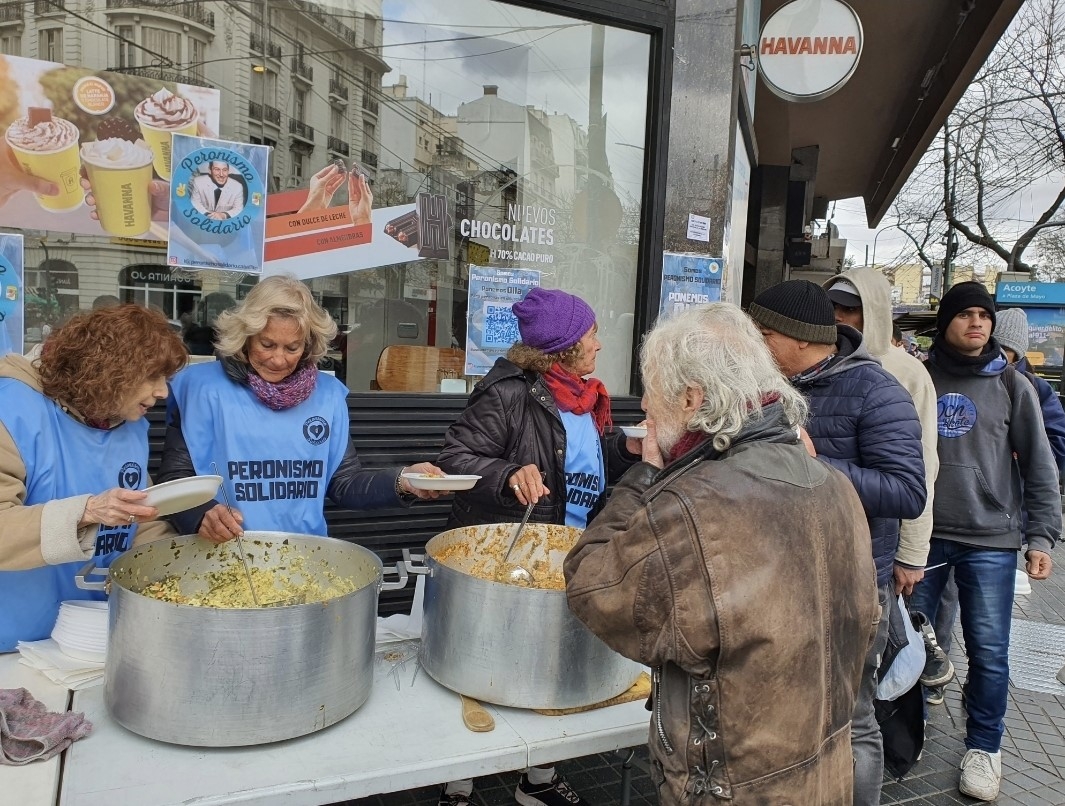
(516, 487)
(132, 517)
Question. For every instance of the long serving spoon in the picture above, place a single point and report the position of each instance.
(519, 574)
(240, 545)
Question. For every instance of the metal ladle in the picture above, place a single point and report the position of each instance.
(240, 545)
(519, 574)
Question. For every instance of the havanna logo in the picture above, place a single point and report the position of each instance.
(316, 430)
(129, 477)
(956, 415)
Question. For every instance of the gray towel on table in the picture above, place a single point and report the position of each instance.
(28, 731)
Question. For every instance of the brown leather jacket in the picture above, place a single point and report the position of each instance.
(744, 580)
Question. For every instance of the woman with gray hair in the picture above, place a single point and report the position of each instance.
(276, 428)
(737, 567)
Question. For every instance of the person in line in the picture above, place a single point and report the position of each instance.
(861, 298)
(1011, 333)
(701, 566)
(215, 194)
(995, 464)
(862, 422)
(537, 429)
(74, 458)
(276, 428)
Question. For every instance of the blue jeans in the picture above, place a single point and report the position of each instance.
(985, 579)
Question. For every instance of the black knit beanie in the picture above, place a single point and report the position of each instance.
(961, 296)
(797, 308)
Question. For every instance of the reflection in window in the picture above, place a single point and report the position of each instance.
(529, 126)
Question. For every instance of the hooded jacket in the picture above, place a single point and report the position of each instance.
(45, 534)
(989, 428)
(744, 580)
(875, 291)
(862, 422)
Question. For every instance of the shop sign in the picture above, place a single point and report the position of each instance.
(157, 277)
(808, 49)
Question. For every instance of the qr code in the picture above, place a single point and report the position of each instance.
(500, 326)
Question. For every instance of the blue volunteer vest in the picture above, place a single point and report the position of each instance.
(585, 478)
(63, 458)
(276, 465)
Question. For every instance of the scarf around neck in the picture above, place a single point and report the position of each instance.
(286, 393)
(580, 396)
(991, 361)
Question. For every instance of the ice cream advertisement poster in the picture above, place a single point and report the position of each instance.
(88, 151)
(217, 205)
(688, 280)
(12, 299)
(335, 219)
(491, 326)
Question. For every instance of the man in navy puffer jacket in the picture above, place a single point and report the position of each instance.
(862, 422)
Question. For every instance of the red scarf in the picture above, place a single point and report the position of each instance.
(580, 396)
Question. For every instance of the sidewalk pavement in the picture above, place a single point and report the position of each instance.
(1033, 749)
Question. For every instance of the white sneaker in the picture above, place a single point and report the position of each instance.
(981, 773)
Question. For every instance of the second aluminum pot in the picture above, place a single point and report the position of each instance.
(214, 677)
(509, 645)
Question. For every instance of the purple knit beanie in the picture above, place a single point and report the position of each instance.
(551, 320)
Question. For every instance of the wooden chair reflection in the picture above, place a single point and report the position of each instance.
(417, 368)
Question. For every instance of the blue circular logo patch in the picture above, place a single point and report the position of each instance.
(956, 415)
(129, 477)
(316, 430)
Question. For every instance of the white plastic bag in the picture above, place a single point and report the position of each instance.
(906, 669)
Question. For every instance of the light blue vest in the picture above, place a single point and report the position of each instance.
(585, 477)
(63, 458)
(276, 465)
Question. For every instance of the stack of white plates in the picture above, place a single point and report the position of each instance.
(81, 630)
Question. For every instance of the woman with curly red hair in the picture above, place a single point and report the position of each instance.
(74, 458)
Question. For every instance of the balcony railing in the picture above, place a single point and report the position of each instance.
(10, 12)
(337, 146)
(41, 7)
(298, 128)
(156, 74)
(195, 11)
(330, 22)
(271, 49)
(370, 105)
(302, 69)
(269, 114)
(336, 88)
(369, 158)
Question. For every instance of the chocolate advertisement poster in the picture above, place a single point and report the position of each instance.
(335, 219)
(88, 151)
(12, 294)
(217, 205)
(491, 326)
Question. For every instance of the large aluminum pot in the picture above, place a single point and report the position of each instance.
(510, 645)
(215, 677)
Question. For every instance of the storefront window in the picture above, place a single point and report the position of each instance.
(514, 137)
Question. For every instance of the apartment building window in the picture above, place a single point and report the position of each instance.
(369, 32)
(297, 159)
(369, 134)
(50, 44)
(165, 43)
(11, 44)
(125, 46)
(197, 56)
(338, 124)
(264, 88)
(299, 105)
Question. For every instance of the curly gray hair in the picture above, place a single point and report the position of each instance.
(717, 349)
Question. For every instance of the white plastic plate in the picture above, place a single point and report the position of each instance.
(181, 494)
(423, 481)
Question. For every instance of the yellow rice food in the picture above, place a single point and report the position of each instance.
(540, 551)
